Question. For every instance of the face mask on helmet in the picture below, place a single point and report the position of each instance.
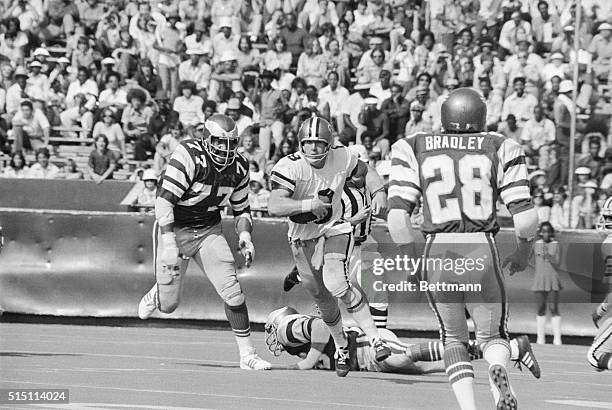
(222, 144)
(604, 222)
(317, 134)
(313, 157)
(271, 329)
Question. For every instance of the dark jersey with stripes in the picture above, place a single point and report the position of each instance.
(198, 191)
(459, 178)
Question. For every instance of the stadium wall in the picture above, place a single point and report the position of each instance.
(98, 264)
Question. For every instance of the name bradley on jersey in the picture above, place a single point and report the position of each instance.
(433, 142)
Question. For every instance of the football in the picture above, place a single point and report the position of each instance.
(306, 217)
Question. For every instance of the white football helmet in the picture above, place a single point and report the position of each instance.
(315, 129)
(604, 222)
(271, 329)
(221, 139)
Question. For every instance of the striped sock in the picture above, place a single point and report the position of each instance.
(427, 352)
(605, 361)
(379, 312)
(457, 362)
(238, 318)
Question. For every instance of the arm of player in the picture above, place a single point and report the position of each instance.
(281, 204)
(376, 186)
(514, 192)
(602, 309)
(176, 181)
(404, 192)
(239, 201)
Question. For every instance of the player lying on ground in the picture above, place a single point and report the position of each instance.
(600, 353)
(459, 175)
(307, 187)
(307, 337)
(203, 176)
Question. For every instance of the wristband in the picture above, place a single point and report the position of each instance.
(169, 237)
(307, 205)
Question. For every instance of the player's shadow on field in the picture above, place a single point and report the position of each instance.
(217, 365)
(27, 354)
(407, 380)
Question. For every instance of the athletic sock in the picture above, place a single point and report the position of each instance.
(356, 304)
(514, 350)
(605, 361)
(335, 327)
(238, 318)
(460, 374)
(426, 352)
(379, 312)
(497, 351)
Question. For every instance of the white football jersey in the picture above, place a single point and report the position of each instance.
(296, 175)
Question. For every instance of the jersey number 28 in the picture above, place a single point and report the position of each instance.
(474, 178)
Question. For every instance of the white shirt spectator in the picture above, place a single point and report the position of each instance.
(199, 74)
(539, 133)
(38, 87)
(37, 171)
(377, 91)
(13, 98)
(114, 133)
(108, 97)
(89, 88)
(507, 37)
(335, 98)
(494, 107)
(190, 110)
(352, 108)
(243, 123)
(521, 107)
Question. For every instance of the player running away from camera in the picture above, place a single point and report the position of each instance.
(202, 177)
(460, 174)
(357, 210)
(307, 186)
(308, 338)
(600, 353)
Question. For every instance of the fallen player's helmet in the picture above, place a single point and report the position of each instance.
(604, 222)
(272, 324)
(221, 139)
(464, 110)
(315, 129)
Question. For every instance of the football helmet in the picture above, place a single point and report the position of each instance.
(272, 324)
(220, 137)
(604, 222)
(315, 129)
(464, 110)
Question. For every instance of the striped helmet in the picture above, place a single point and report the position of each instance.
(271, 328)
(221, 139)
(604, 222)
(315, 129)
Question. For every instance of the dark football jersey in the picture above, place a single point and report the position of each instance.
(198, 190)
(459, 178)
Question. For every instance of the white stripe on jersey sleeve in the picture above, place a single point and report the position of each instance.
(175, 179)
(513, 182)
(240, 198)
(404, 182)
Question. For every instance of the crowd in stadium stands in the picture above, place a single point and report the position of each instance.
(136, 78)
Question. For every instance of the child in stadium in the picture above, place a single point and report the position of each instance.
(546, 282)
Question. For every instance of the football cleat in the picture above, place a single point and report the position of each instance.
(252, 361)
(526, 357)
(292, 279)
(342, 357)
(502, 392)
(148, 304)
(382, 350)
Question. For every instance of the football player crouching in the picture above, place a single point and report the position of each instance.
(307, 337)
(203, 176)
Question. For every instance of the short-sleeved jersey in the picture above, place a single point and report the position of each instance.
(198, 190)
(459, 178)
(294, 174)
(354, 200)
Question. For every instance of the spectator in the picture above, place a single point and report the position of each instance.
(226, 76)
(43, 168)
(135, 122)
(70, 171)
(85, 86)
(113, 96)
(351, 111)
(519, 103)
(146, 198)
(248, 57)
(336, 96)
(537, 137)
(541, 208)
(113, 132)
(584, 207)
(258, 196)
(397, 109)
(16, 92)
(601, 49)
(196, 69)
(277, 55)
(494, 103)
(371, 151)
(417, 123)
(592, 160)
(17, 167)
(286, 147)
(252, 152)
(374, 65)
(233, 111)
(556, 67)
(225, 40)
(376, 124)
(559, 212)
(38, 84)
(337, 60)
(382, 88)
(168, 43)
(546, 27)
(31, 128)
(513, 30)
(147, 79)
(78, 118)
(296, 38)
(311, 65)
(102, 161)
(511, 128)
(166, 146)
(269, 102)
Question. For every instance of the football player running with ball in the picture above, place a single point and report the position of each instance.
(202, 177)
(460, 174)
(307, 186)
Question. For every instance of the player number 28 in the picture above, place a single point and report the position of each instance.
(470, 186)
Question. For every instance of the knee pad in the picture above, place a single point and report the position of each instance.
(334, 275)
(236, 300)
(231, 292)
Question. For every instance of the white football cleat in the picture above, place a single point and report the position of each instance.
(253, 362)
(148, 303)
(502, 392)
